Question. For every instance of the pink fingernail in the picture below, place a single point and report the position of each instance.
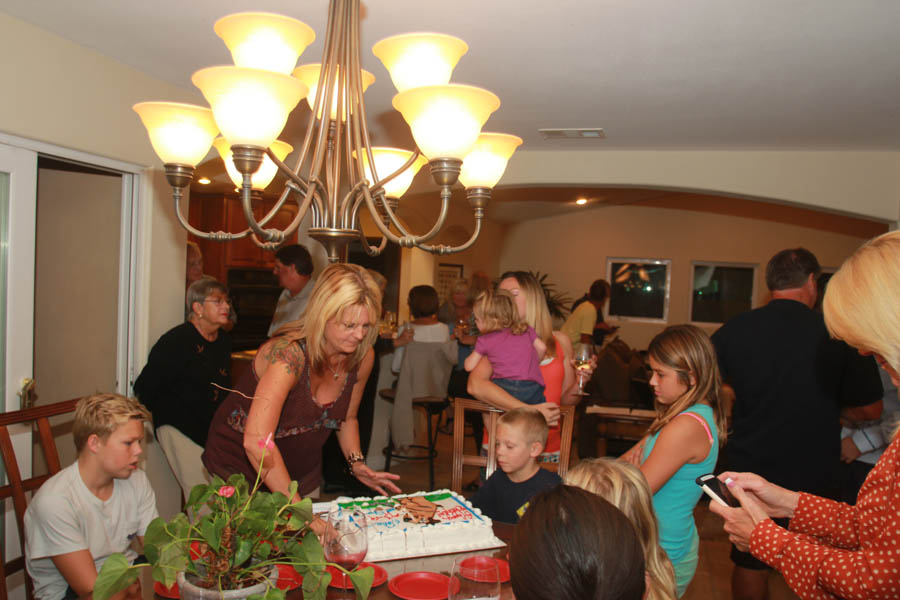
(729, 482)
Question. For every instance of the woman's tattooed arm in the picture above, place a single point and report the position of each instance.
(288, 353)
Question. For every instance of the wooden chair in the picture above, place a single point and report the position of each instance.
(18, 487)
(460, 459)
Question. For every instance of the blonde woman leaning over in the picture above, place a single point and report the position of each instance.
(623, 485)
(854, 552)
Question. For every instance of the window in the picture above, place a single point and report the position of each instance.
(639, 288)
(720, 291)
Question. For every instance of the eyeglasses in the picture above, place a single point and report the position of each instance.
(218, 301)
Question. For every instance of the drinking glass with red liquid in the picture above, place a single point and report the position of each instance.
(346, 540)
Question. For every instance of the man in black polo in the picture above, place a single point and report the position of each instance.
(791, 383)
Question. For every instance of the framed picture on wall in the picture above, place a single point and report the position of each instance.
(639, 288)
(445, 277)
(721, 290)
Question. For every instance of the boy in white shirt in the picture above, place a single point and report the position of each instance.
(99, 505)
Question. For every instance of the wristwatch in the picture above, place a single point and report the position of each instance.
(354, 458)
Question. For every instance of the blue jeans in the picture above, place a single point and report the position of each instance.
(523, 390)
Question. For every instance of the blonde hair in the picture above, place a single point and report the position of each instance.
(860, 303)
(624, 486)
(340, 287)
(536, 312)
(688, 351)
(497, 310)
(102, 414)
(530, 422)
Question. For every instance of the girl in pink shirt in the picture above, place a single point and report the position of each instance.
(511, 345)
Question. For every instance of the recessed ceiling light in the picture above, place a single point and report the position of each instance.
(581, 201)
(204, 181)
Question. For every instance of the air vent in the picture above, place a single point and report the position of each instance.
(573, 133)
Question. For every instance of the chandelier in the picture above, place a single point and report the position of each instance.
(338, 171)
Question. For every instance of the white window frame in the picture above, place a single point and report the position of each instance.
(643, 261)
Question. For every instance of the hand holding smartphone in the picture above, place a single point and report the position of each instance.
(717, 490)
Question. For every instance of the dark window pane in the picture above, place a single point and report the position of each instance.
(721, 292)
(638, 290)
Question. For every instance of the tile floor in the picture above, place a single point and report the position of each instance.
(713, 578)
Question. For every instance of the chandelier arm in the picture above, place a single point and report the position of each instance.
(372, 250)
(269, 235)
(218, 236)
(288, 172)
(378, 185)
(441, 249)
(378, 222)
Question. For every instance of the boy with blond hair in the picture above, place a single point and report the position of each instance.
(521, 436)
(96, 506)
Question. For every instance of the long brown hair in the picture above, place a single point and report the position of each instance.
(688, 351)
(536, 313)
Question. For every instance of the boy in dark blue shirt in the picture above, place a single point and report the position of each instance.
(521, 436)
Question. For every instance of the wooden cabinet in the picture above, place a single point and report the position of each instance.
(217, 212)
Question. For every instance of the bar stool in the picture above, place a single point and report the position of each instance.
(431, 405)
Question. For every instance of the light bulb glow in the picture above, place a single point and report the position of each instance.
(485, 164)
(581, 201)
(264, 40)
(267, 170)
(419, 59)
(388, 160)
(251, 106)
(309, 75)
(180, 133)
(446, 119)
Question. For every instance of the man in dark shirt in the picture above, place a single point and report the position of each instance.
(791, 382)
(521, 436)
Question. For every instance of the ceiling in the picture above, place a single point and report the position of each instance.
(654, 74)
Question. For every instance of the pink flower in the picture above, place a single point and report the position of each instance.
(226, 491)
(267, 443)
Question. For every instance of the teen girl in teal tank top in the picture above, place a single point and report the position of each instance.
(683, 442)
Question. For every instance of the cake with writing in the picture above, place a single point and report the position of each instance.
(422, 524)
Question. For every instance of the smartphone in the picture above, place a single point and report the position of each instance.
(717, 490)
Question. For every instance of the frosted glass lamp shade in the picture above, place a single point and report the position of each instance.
(388, 160)
(251, 106)
(309, 75)
(418, 59)
(267, 170)
(181, 134)
(446, 119)
(264, 40)
(485, 164)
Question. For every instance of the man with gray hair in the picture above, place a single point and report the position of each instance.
(293, 268)
(791, 384)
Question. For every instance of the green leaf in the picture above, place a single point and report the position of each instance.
(273, 593)
(244, 548)
(115, 575)
(362, 582)
(292, 489)
(311, 549)
(315, 584)
(165, 574)
(262, 551)
(211, 527)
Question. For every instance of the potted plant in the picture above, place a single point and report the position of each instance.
(234, 538)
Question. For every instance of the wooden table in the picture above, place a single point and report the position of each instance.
(621, 422)
(441, 563)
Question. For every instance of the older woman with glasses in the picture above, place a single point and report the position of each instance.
(178, 384)
(305, 382)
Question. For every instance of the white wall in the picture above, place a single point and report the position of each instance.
(863, 183)
(572, 249)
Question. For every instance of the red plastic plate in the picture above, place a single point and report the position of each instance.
(420, 585)
(475, 562)
(161, 590)
(288, 578)
(380, 576)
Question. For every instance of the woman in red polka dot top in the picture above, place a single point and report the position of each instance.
(832, 549)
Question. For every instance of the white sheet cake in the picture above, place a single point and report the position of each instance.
(421, 524)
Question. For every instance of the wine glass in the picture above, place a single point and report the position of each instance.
(389, 323)
(474, 578)
(583, 355)
(462, 327)
(346, 541)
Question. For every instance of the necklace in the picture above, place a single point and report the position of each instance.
(333, 371)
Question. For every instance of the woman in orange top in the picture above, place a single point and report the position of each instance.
(556, 367)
